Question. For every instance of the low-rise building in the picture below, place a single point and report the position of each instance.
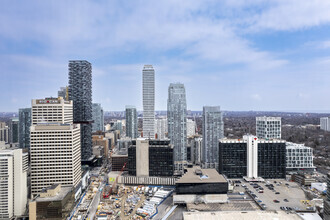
(55, 202)
(303, 179)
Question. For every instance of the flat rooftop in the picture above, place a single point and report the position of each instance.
(198, 175)
(58, 197)
(248, 215)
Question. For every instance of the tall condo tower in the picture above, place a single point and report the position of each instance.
(212, 132)
(148, 87)
(98, 117)
(131, 122)
(80, 92)
(24, 127)
(177, 123)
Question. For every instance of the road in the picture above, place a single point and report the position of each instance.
(164, 208)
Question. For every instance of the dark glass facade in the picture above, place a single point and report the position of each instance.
(131, 166)
(24, 127)
(233, 159)
(271, 160)
(205, 188)
(160, 158)
(80, 92)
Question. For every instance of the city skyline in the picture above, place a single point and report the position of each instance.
(267, 64)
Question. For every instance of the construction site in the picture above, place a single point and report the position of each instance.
(130, 202)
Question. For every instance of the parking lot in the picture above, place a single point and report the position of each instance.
(287, 190)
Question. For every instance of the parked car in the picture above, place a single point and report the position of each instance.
(276, 201)
(285, 200)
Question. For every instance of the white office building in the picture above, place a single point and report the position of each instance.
(52, 110)
(191, 127)
(13, 182)
(55, 156)
(148, 87)
(161, 128)
(325, 123)
(268, 127)
(299, 157)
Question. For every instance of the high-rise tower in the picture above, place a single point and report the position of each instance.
(80, 92)
(177, 122)
(268, 127)
(148, 87)
(212, 132)
(98, 117)
(131, 122)
(25, 120)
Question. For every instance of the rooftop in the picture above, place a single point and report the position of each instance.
(246, 215)
(198, 175)
(58, 197)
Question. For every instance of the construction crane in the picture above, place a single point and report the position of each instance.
(115, 183)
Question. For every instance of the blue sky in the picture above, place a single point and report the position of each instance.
(241, 55)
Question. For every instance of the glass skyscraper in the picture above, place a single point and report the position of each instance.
(98, 117)
(24, 115)
(177, 122)
(13, 130)
(80, 92)
(131, 122)
(148, 87)
(212, 132)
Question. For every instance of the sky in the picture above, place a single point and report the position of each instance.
(241, 55)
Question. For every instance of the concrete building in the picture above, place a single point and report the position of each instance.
(161, 128)
(51, 110)
(13, 183)
(148, 87)
(98, 117)
(55, 202)
(118, 161)
(55, 156)
(64, 93)
(80, 92)
(25, 121)
(150, 158)
(325, 123)
(201, 186)
(212, 132)
(268, 127)
(4, 132)
(299, 157)
(13, 130)
(102, 141)
(177, 123)
(131, 122)
(252, 157)
(303, 179)
(191, 127)
(326, 213)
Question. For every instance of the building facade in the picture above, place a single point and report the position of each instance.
(13, 130)
(25, 121)
(51, 110)
(13, 184)
(148, 91)
(64, 93)
(212, 132)
(177, 123)
(4, 132)
(80, 92)
(55, 156)
(298, 157)
(252, 157)
(131, 122)
(191, 127)
(268, 127)
(161, 128)
(150, 158)
(98, 117)
(325, 123)
(195, 143)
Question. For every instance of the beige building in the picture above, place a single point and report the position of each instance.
(52, 110)
(55, 156)
(13, 182)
